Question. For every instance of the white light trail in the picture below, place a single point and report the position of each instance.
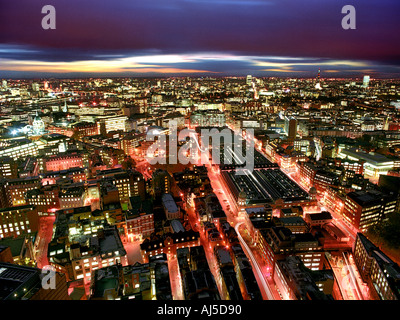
(255, 264)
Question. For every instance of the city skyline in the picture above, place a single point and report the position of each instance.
(200, 151)
(193, 37)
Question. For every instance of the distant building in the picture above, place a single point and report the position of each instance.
(111, 123)
(366, 81)
(291, 128)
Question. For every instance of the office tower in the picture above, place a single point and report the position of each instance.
(249, 80)
(318, 84)
(366, 81)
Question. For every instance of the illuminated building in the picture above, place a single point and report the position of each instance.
(111, 123)
(374, 164)
(18, 220)
(351, 165)
(139, 219)
(20, 149)
(277, 242)
(226, 274)
(111, 157)
(81, 246)
(168, 243)
(363, 209)
(84, 129)
(75, 174)
(72, 197)
(29, 168)
(25, 283)
(295, 282)
(161, 182)
(122, 181)
(129, 183)
(249, 80)
(379, 271)
(323, 179)
(38, 125)
(64, 162)
(291, 128)
(131, 143)
(207, 118)
(317, 175)
(264, 212)
(288, 161)
(45, 199)
(138, 184)
(318, 219)
(54, 141)
(8, 168)
(60, 129)
(366, 81)
(294, 224)
(16, 189)
(318, 84)
(148, 281)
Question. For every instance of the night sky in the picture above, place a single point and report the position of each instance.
(200, 37)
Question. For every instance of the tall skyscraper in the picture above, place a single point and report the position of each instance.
(318, 84)
(366, 81)
(291, 128)
(249, 80)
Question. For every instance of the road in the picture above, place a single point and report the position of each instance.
(265, 288)
(236, 219)
(175, 278)
(45, 234)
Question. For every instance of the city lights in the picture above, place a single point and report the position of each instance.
(180, 153)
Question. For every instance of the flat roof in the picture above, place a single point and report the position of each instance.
(372, 158)
(324, 215)
(265, 185)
